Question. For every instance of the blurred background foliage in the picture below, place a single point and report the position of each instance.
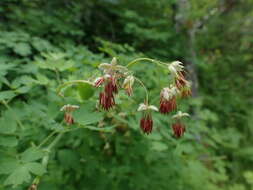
(45, 43)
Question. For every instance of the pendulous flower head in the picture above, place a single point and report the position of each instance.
(111, 86)
(106, 98)
(168, 99)
(178, 129)
(68, 109)
(106, 101)
(180, 81)
(146, 123)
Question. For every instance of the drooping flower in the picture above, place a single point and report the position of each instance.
(112, 72)
(168, 99)
(146, 122)
(180, 80)
(68, 109)
(106, 101)
(176, 68)
(106, 98)
(178, 127)
(128, 85)
(111, 86)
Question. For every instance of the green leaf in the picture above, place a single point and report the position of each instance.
(7, 95)
(36, 168)
(23, 89)
(8, 141)
(68, 158)
(18, 177)
(42, 79)
(85, 116)
(32, 154)
(155, 136)
(7, 125)
(23, 49)
(158, 146)
(25, 79)
(85, 91)
(7, 166)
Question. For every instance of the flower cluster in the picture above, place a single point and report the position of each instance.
(116, 77)
(176, 68)
(112, 73)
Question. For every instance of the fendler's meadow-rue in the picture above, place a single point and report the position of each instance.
(146, 122)
(115, 77)
(178, 127)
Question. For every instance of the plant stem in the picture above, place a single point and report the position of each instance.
(58, 78)
(45, 159)
(54, 142)
(46, 139)
(72, 82)
(145, 88)
(159, 63)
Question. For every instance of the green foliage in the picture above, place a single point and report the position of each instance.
(46, 43)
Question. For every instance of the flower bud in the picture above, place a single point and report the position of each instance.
(128, 85)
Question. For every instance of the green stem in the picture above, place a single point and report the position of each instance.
(46, 139)
(45, 159)
(159, 63)
(58, 78)
(54, 142)
(145, 88)
(71, 83)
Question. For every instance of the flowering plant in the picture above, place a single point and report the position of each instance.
(116, 77)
